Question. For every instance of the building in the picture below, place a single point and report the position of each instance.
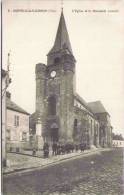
(118, 143)
(17, 128)
(61, 114)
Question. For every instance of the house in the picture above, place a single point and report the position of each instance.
(17, 128)
(118, 143)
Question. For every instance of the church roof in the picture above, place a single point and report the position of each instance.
(94, 107)
(80, 99)
(97, 107)
(12, 106)
(62, 38)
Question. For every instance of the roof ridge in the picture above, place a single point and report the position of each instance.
(94, 101)
(97, 107)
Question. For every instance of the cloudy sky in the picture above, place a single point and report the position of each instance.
(96, 32)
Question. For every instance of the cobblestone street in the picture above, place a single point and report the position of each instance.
(99, 174)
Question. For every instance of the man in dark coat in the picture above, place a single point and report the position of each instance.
(54, 148)
(76, 147)
(46, 150)
(82, 147)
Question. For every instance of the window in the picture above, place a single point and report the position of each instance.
(24, 136)
(96, 130)
(75, 122)
(8, 135)
(91, 127)
(75, 128)
(16, 121)
(56, 60)
(52, 105)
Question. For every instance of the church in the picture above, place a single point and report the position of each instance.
(61, 115)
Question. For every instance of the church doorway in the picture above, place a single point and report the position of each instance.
(54, 132)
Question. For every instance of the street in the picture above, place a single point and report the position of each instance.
(97, 174)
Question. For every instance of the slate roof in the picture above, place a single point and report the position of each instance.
(12, 106)
(62, 38)
(97, 107)
(94, 107)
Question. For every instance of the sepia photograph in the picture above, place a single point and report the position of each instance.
(62, 97)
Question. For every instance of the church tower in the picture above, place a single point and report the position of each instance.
(55, 88)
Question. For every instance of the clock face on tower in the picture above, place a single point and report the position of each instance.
(53, 73)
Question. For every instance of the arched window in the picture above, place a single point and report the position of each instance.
(91, 127)
(52, 105)
(75, 123)
(75, 128)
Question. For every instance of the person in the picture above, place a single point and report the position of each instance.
(54, 148)
(76, 147)
(82, 147)
(67, 148)
(72, 147)
(33, 152)
(46, 150)
(63, 148)
(58, 149)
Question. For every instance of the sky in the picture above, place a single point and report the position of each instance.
(96, 33)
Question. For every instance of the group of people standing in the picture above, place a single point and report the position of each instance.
(59, 148)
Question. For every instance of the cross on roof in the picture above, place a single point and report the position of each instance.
(62, 5)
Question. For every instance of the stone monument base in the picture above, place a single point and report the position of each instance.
(39, 142)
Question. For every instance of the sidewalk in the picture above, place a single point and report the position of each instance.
(22, 162)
